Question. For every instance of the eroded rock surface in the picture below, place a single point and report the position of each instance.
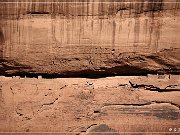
(90, 39)
(87, 106)
(76, 38)
(164, 83)
(98, 65)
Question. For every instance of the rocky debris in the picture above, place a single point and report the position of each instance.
(100, 129)
(160, 83)
(73, 105)
(90, 39)
(103, 65)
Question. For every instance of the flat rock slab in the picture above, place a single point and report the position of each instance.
(86, 106)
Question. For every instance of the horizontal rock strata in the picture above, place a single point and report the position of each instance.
(94, 37)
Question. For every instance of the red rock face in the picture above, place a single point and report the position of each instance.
(71, 37)
(90, 106)
(57, 57)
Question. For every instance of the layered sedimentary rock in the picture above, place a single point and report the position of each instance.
(92, 38)
(96, 37)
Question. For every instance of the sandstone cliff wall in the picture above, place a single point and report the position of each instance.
(47, 35)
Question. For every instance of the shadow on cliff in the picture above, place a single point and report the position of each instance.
(10, 67)
(165, 62)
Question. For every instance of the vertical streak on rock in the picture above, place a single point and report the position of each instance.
(99, 27)
(27, 35)
(27, 38)
(4, 29)
(129, 31)
(158, 33)
(120, 26)
(70, 34)
(63, 32)
(68, 25)
(92, 24)
(23, 38)
(31, 30)
(32, 7)
(1, 95)
(92, 31)
(2, 42)
(14, 47)
(8, 33)
(136, 33)
(19, 35)
(92, 7)
(99, 7)
(113, 33)
(150, 34)
(80, 31)
(145, 32)
(73, 26)
(142, 6)
(87, 8)
(41, 7)
(151, 25)
(100, 31)
(38, 6)
(54, 10)
(45, 6)
(59, 30)
(130, 8)
(155, 26)
(9, 38)
(52, 35)
(2, 38)
(67, 32)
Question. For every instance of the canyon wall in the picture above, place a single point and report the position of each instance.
(97, 42)
(62, 37)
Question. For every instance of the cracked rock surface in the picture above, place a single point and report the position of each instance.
(88, 106)
(88, 67)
